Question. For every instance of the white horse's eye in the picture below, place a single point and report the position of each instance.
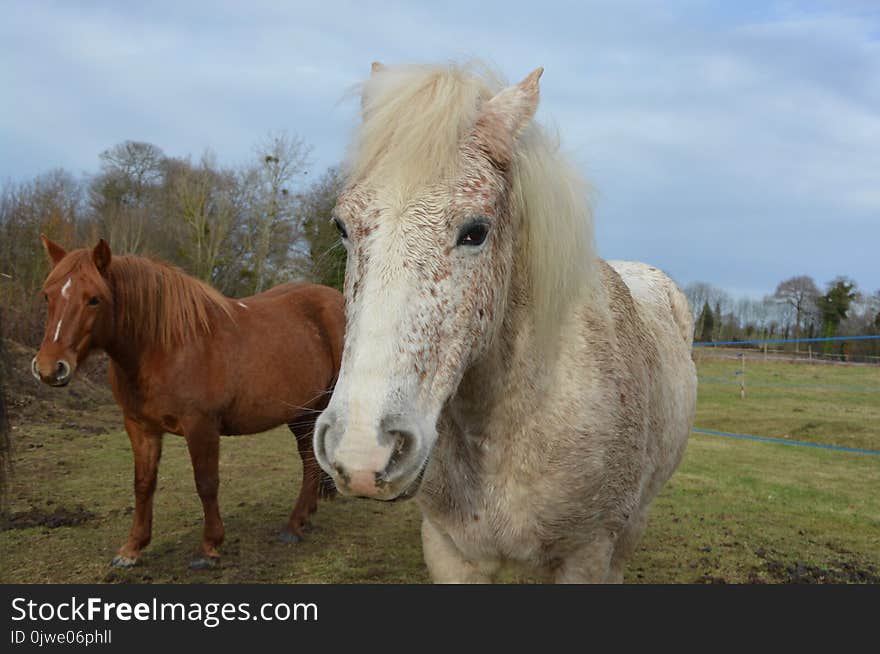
(473, 233)
(341, 227)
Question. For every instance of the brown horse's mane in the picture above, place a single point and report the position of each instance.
(154, 302)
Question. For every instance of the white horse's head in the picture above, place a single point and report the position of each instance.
(441, 177)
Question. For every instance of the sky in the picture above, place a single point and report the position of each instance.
(736, 143)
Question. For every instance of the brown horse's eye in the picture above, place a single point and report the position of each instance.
(93, 302)
(473, 233)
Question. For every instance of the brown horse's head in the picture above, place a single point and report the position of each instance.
(79, 310)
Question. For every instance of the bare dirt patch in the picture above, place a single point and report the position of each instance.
(843, 571)
(34, 517)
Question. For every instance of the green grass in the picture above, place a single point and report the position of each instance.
(826, 404)
(735, 511)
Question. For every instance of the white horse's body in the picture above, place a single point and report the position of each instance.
(534, 398)
(564, 479)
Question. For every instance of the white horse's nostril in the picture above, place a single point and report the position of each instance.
(319, 445)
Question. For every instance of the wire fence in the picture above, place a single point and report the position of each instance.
(785, 441)
(779, 341)
(758, 350)
(775, 349)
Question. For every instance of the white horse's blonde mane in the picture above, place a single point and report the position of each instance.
(414, 121)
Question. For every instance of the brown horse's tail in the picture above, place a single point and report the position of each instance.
(326, 487)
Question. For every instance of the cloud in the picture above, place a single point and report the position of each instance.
(733, 142)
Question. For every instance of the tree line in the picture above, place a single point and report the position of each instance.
(796, 309)
(243, 229)
(246, 228)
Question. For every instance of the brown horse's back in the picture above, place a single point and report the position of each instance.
(275, 360)
(287, 345)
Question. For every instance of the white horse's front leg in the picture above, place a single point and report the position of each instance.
(447, 564)
(591, 564)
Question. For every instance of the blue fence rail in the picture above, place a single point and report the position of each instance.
(784, 441)
(807, 387)
(777, 341)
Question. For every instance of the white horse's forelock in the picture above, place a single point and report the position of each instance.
(414, 120)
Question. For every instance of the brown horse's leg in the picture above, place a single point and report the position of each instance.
(312, 480)
(204, 451)
(147, 449)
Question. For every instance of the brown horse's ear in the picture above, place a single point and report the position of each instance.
(56, 252)
(504, 117)
(101, 255)
(376, 67)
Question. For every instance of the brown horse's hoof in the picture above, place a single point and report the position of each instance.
(120, 561)
(287, 536)
(205, 563)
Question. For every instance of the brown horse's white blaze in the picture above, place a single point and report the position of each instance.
(534, 396)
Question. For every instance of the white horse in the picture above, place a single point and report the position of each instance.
(533, 398)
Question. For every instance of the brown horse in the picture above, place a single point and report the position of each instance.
(189, 361)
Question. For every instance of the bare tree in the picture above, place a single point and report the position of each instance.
(51, 203)
(800, 293)
(281, 159)
(201, 206)
(697, 294)
(121, 196)
(701, 293)
(326, 253)
(140, 163)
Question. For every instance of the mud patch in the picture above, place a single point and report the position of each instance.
(35, 517)
(91, 430)
(839, 572)
(842, 571)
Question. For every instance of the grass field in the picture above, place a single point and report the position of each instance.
(736, 511)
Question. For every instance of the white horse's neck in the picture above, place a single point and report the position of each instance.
(514, 375)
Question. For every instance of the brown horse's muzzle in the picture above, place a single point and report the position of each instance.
(51, 370)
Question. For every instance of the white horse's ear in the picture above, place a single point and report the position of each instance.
(375, 68)
(504, 117)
